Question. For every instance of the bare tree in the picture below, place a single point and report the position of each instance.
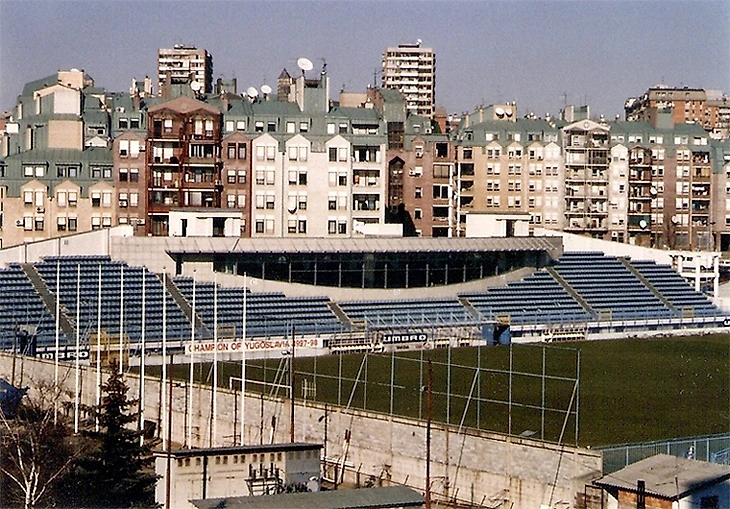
(37, 449)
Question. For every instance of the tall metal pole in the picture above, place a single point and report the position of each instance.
(189, 440)
(214, 427)
(291, 384)
(243, 360)
(142, 356)
(98, 348)
(58, 326)
(429, 382)
(164, 402)
(78, 344)
(121, 317)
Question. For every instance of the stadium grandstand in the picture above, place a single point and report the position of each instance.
(579, 295)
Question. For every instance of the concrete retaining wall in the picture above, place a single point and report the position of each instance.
(471, 466)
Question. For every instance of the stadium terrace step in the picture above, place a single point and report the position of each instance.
(580, 300)
(182, 302)
(649, 285)
(48, 298)
(337, 310)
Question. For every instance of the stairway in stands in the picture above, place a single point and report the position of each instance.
(650, 286)
(48, 298)
(580, 300)
(182, 302)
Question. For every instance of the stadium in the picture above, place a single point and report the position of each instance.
(352, 295)
(107, 294)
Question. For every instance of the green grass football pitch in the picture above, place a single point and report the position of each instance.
(630, 390)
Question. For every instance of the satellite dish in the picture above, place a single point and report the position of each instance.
(252, 92)
(508, 111)
(643, 224)
(652, 191)
(266, 89)
(305, 64)
(499, 111)
(196, 86)
(675, 220)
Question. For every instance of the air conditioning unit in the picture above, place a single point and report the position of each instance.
(40, 210)
(19, 223)
(427, 130)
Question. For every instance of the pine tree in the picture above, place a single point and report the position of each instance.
(119, 472)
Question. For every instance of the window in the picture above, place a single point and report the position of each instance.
(303, 127)
(96, 199)
(123, 200)
(270, 202)
(231, 176)
(467, 153)
(230, 126)
(417, 214)
(134, 123)
(271, 127)
(440, 191)
(95, 222)
(332, 225)
(61, 223)
(332, 152)
(342, 227)
(441, 171)
(240, 125)
(72, 199)
(133, 199)
(124, 148)
(123, 175)
(332, 203)
(231, 151)
(123, 123)
(61, 199)
(95, 172)
(290, 127)
(302, 202)
(107, 199)
(259, 126)
(241, 176)
(442, 149)
(28, 197)
(242, 151)
(418, 192)
(72, 224)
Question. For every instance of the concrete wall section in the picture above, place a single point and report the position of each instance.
(470, 466)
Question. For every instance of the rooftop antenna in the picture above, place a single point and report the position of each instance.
(324, 65)
(305, 65)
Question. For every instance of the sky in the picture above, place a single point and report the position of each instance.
(542, 54)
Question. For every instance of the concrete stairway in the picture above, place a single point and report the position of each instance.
(49, 299)
(337, 310)
(572, 292)
(650, 286)
(182, 302)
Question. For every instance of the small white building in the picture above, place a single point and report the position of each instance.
(664, 481)
(205, 222)
(497, 224)
(249, 470)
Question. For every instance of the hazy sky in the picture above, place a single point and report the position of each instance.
(532, 52)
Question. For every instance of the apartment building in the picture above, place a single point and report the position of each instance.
(506, 164)
(411, 69)
(184, 65)
(708, 108)
(55, 167)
